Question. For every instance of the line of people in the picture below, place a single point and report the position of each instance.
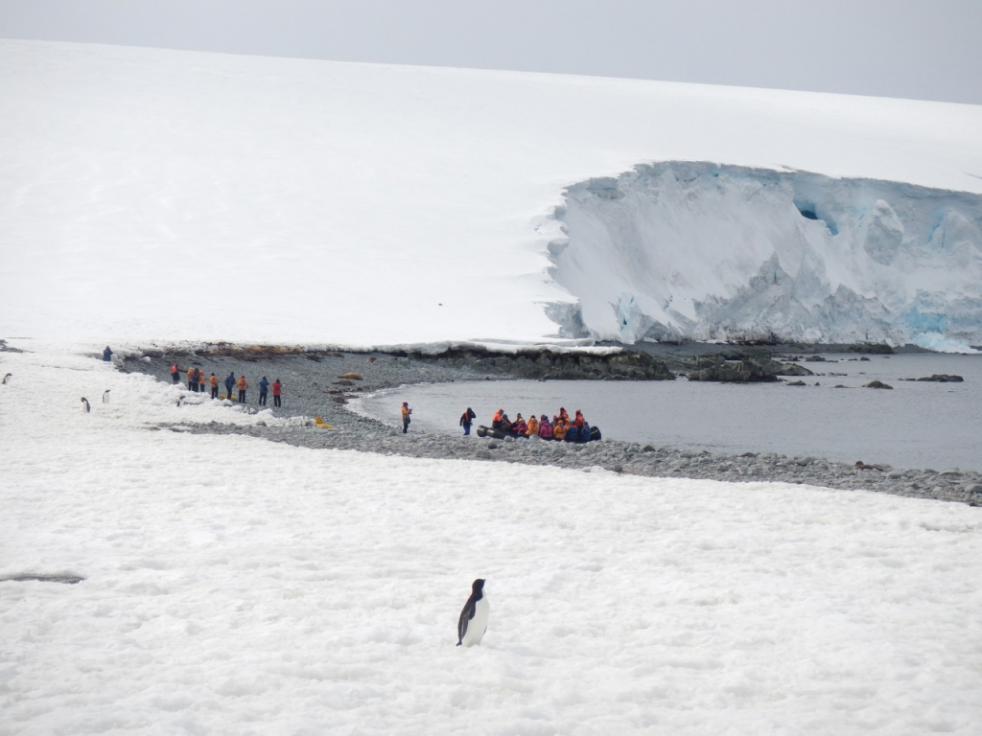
(561, 428)
(198, 382)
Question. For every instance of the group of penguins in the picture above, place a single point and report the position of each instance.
(87, 407)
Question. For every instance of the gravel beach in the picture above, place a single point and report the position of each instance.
(318, 384)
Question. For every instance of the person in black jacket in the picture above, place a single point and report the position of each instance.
(465, 420)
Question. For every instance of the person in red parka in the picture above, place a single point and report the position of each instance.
(277, 392)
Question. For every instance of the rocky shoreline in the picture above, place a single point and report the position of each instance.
(318, 383)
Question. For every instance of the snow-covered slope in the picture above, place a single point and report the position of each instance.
(700, 250)
(149, 193)
(234, 585)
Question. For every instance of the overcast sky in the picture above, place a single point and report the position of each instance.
(925, 49)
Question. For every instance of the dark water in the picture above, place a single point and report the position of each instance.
(916, 425)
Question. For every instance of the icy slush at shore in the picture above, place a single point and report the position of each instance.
(237, 585)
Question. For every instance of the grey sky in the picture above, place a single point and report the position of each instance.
(924, 49)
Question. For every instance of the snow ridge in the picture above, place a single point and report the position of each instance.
(706, 251)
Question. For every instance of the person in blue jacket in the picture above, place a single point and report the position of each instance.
(230, 384)
(263, 390)
(107, 354)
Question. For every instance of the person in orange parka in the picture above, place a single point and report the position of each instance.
(559, 430)
(242, 385)
(533, 426)
(214, 386)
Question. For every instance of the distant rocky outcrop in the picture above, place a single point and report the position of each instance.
(745, 369)
(545, 364)
(877, 384)
(942, 378)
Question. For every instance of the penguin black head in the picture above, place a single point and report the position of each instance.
(478, 586)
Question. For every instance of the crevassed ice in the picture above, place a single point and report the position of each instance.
(703, 251)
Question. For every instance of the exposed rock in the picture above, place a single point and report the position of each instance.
(796, 383)
(871, 347)
(860, 465)
(877, 384)
(942, 378)
(747, 369)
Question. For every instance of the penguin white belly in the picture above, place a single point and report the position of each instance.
(477, 625)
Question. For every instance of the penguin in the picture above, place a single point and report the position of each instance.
(7, 378)
(474, 618)
(105, 396)
(85, 405)
(180, 399)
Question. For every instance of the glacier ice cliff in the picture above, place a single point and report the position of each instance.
(712, 252)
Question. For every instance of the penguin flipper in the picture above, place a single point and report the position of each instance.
(465, 616)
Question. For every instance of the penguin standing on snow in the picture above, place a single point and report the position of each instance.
(85, 405)
(7, 378)
(474, 618)
(105, 396)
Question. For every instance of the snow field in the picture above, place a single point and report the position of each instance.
(239, 586)
(156, 194)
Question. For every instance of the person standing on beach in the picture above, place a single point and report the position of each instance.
(229, 385)
(263, 390)
(406, 411)
(243, 385)
(465, 420)
(277, 392)
(175, 373)
(213, 382)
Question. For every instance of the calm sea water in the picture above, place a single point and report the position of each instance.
(916, 425)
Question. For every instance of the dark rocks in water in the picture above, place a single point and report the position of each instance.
(790, 369)
(871, 347)
(877, 384)
(796, 383)
(747, 369)
(864, 359)
(818, 359)
(942, 378)
(839, 385)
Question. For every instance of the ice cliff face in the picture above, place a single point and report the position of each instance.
(703, 251)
